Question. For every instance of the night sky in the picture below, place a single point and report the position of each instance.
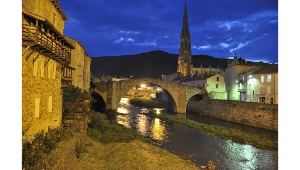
(218, 27)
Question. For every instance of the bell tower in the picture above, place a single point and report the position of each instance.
(184, 58)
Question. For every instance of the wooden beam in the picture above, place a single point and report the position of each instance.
(47, 61)
(27, 48)
(37, 56)
(27, 57)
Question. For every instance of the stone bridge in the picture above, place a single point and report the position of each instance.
(113, 91)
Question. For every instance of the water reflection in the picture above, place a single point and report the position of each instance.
(123, 110)
(142, 123)
(158, 130)
(153, 128)
(196, 146)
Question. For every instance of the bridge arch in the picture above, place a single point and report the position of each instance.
(112, 92)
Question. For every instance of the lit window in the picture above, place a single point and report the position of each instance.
(262, 79)
(269, 78)
(42, 67)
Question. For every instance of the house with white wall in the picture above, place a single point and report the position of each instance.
(262, 85)
(213, 84)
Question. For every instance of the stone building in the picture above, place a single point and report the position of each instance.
(45, 52)
(213, 84)
(81, 63)
(236, 75)
(262, 85)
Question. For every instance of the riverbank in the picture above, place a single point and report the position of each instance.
(132, 155)
(233, 134)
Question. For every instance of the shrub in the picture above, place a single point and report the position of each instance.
(34, 153)
(98, 121)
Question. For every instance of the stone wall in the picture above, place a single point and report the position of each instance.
(45, 9)
(43, 88)
(218, 95)
(258, 115)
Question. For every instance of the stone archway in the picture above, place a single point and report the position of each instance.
(112, 92)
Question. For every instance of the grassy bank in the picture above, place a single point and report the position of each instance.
(106, 145)
(126, 156)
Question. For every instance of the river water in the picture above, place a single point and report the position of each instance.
(199, 147)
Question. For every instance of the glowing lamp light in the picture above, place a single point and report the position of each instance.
(237, 81)
(250, 76)
(143, 85)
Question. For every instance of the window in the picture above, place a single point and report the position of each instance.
(50, 104)
(38, 67)
(42, 67)
(51, 70)
(37, 107)
(50, 66)
(217, 78)
(269, 78)
(262, 79)
(203, 85)
(217, 86)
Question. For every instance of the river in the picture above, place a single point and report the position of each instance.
(200, 147)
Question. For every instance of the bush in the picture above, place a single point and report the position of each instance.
(75, 100)
(106, 132)
(34, 153)
(98, 121)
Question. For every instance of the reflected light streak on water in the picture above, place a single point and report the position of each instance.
(158, 130)
(122, 110)
(142, 123)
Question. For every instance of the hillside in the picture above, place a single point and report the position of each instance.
(149, 64)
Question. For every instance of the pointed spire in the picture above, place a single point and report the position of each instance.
(185, 25)
(184, 59)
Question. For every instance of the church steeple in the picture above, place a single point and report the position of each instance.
(184, 58)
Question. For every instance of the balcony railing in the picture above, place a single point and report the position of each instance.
(48, 44)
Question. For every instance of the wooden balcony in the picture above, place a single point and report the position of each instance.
(66, 76)
(46, 44)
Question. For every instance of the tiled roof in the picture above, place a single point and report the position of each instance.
(272, 68)
(60, 11)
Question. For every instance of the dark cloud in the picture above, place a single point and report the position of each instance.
(218, 27)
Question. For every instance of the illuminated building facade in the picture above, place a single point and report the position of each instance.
(45, 52)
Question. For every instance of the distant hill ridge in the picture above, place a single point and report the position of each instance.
(150, 64)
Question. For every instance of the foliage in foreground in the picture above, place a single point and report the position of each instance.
(35, 152)
(229, 133)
